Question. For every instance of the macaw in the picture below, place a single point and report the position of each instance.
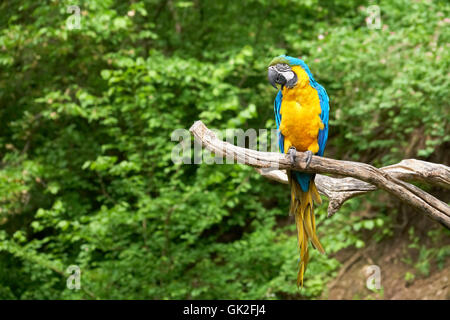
(301, 114)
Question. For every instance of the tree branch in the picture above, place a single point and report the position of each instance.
(361, 177)
(339, 190)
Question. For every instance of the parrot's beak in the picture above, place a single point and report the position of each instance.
(272, 75)
(276, 77)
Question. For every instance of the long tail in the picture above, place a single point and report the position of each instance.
(302, 209)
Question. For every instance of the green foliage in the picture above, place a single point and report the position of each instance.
(86, 176)
(426, 254)
(409, 277)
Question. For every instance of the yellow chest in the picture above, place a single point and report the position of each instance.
(300, 114)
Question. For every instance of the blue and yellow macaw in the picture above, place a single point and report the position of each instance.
(301, 114)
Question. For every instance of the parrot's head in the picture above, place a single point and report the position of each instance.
(280, 72)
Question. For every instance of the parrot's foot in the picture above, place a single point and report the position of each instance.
(292, 152)
(308, 157)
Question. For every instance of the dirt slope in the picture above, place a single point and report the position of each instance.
(402, 259)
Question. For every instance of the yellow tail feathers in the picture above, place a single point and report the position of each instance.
(303, 211)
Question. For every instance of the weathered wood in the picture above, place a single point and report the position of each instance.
(360, 177)
(339, 190)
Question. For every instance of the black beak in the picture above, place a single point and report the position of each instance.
(275, 78)
(272, 75)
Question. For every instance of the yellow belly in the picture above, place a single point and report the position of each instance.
(300, 115)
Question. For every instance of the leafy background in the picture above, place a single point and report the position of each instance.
(86, 176)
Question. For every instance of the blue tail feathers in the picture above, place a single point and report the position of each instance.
(303, 179)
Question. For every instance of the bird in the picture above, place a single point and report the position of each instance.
(301, 114)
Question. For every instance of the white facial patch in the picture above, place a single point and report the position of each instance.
(288, 75)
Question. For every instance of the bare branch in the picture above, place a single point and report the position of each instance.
(360, 177)
(339, 190)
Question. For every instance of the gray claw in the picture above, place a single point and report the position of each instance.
(308, 158)
(292, 152)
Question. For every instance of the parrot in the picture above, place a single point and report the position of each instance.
(301, 115)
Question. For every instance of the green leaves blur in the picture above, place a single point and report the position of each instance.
(86, 176)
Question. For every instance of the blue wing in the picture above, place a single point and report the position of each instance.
(324, 115)
(277, 106)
